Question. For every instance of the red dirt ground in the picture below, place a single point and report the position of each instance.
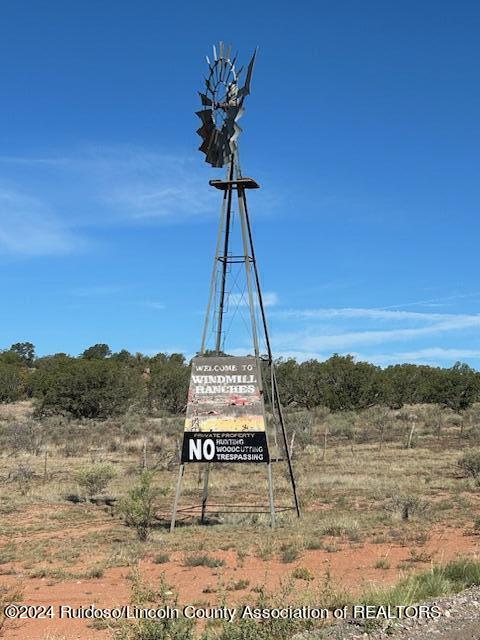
(350, 567)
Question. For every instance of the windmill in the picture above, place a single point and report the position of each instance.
(227, 395)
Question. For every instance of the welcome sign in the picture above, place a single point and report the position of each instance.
(225, 419)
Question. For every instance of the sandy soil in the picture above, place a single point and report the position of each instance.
(351, 566)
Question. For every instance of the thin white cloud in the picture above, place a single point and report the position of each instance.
(126, 183)
(436, 302)
(421, 356)
(321, 334)
(333, 342)
(100, 186)
(359, 312)
(110, 184)
(161, 187)
(29, 228)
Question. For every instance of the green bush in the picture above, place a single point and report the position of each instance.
(161, 596)
(453, 577)
(138, 506)
(12, 382)
(168, 382)
(94, 478)
(86, 388)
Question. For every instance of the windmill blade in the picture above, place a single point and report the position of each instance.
(227, 77)
(205, 115)
(222, 101)
(206, 102)
(223, 68)
(245, 90)
(234, 62)
(208, 86)
(205, 131)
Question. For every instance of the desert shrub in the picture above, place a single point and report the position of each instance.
(138, 506)
(408, 506)
(74, 439)
(86, 388)
(313, 544)
(382, 563)
(470, 425)
(339, 525)
(470, 464)
(376, 421)
(161, 558)
(342, 425)
(265, 547)
(27, 436)
(23, 476)
(145, 594)
(302, 573)
(290, 552)
(436, 418)
(300, 423)
(237, 585)
(97, 571)
(94, 478)
(8, 553)
(203, 560)
(280, 628)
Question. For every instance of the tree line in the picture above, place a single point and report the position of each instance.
(98, 383)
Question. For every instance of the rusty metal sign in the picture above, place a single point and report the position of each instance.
(225, 419)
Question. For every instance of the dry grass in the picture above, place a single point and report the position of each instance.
(346, 497)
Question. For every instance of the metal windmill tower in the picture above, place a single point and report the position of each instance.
(222, 107)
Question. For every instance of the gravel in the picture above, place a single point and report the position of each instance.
(459, 620)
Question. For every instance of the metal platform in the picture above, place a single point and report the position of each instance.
(240, 183)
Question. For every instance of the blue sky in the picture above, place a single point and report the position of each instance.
(362, 128)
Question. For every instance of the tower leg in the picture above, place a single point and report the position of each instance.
(221, 307)
(275, 394)
(221, 228)
(285, 442)
(177, 497)
(270, 495)
(205, 492)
